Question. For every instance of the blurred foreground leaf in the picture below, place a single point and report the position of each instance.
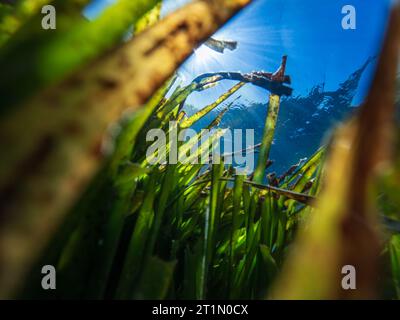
(64, 127)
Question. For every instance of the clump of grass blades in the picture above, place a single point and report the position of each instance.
(205, 232)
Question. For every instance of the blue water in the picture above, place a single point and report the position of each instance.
(327, 65)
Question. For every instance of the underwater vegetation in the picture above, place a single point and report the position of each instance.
(77, 190)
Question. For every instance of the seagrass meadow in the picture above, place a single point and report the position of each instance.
(79, 190)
